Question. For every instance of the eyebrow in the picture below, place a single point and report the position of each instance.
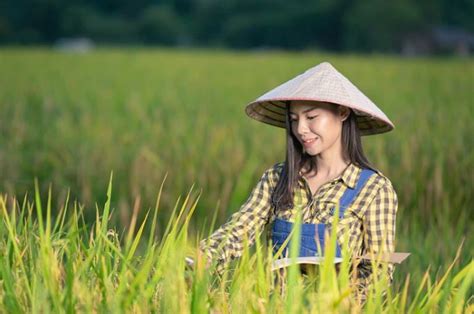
(305, 111)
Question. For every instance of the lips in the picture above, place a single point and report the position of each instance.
(309, 141)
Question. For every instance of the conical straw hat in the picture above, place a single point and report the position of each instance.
(320, 83)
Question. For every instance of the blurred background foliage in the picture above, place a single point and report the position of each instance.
(335, 25)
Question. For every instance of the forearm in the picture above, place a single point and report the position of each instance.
(375, 278)
(230, 240)
(227, 242)
(379, 237)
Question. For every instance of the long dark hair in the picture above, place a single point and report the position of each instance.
(296, 159)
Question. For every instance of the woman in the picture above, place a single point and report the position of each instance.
(324, 115)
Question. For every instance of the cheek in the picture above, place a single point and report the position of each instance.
(320, 126)
(326, 128)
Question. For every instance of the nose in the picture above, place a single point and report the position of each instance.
(301, 127)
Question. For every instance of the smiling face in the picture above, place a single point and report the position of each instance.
(317, 125)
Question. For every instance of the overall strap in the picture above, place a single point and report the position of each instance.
(350, 193)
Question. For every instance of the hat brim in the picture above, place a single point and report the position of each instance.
(273, 112)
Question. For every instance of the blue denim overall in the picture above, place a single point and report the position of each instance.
(310, 232)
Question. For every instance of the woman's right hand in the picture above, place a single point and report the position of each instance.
(191, 263)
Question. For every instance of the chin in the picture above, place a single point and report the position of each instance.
(312, 153)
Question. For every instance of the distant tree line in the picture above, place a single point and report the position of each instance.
(338, 25)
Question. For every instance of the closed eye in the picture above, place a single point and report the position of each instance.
(292, 119)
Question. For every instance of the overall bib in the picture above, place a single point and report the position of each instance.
(310, 232)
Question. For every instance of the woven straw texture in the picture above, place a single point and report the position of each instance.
(325, 84)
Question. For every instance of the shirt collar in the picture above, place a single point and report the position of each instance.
(349, 176)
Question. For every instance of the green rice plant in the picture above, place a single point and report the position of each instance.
(63, 264)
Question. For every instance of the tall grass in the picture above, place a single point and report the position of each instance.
(62, 264)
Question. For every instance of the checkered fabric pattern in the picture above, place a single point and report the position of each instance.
(370, 219)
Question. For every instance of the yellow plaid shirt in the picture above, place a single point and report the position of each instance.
(370, 218)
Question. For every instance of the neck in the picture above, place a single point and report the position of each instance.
(330, 168)
(331, 162)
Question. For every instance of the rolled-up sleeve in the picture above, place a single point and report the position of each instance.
(228, 241)
(379, 236)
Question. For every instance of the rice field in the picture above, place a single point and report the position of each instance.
(169, 124)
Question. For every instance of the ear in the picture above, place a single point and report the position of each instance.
(343, 112)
